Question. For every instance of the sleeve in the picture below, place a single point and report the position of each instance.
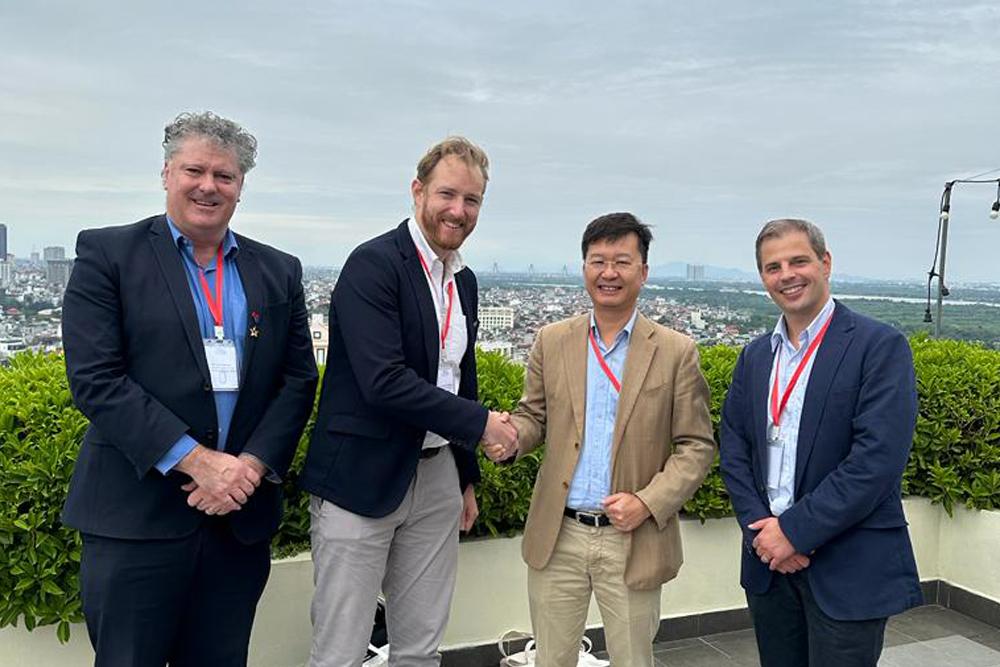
(276, 437)
(366, 303)
(174, 455)
(529, 416)
(693, 442)
(123, 412)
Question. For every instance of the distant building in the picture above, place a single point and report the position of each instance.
(11, 346)
(34, 257)
(57, 270)
(56, 252)
(504, 347)
(697, 321)
(320, 333)
(3, 242)
(695, 271)
(6, 274)
(496, 318)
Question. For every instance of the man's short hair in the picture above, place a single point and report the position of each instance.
(777, 228)
(460, 147)
(613, 226)
(223, 132)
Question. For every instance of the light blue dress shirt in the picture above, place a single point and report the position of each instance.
(781, 457)
(592, 478)
(234, 324)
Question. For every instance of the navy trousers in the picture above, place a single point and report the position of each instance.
(792, 631)
(187, 602)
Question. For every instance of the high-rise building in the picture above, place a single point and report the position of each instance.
(6, 274)
(3, 242)
(34, 258)
(56, 252)
(695, 271)
(57, 271)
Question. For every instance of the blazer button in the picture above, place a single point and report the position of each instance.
(577, 445)
(565, 485)
(207, 386)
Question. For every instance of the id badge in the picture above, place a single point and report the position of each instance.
(775, 453)
(222, 365)
(446, 376)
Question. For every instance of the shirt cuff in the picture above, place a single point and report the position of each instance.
(180, 449)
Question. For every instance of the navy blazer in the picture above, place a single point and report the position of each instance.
(380, 393)
(855, 435)
(137, 369)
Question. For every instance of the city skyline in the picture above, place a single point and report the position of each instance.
(704, 120)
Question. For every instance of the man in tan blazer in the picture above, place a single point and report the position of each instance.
(623, 407)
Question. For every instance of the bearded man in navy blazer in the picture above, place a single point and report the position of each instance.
(187, 347)
(391, 464)
(816, 430)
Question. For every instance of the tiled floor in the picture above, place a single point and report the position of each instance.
(929, 636)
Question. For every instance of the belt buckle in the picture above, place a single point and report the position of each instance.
(592, 519)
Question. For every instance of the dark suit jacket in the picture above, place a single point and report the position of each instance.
(854, 440)
(379, 394)
(136, 366)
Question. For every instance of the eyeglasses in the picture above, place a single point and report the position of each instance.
(599, 265)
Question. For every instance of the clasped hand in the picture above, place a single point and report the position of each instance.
(220, 483)
(775, 549)
(500, 437)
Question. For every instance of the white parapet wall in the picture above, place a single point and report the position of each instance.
(490, 596)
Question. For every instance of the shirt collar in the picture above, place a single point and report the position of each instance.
(780, 333)
(626, 330)
(453, 262)
(229, 245)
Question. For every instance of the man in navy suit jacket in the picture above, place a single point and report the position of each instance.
(187, 347)
(391, 464)
(816, 430)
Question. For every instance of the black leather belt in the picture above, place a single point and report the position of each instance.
(595, 519)
(431, 452)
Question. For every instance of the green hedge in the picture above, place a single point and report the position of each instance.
(955, 460)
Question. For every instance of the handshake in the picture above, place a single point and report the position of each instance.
(500, 437)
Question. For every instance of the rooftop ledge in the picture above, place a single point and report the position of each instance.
(491, 597)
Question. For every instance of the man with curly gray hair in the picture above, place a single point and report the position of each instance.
(187, 347)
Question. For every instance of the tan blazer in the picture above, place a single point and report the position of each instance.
(661, 449)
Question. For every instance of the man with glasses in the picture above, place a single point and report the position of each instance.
(622, 406)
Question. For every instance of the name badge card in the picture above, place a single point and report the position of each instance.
(775, 452)
(222, 365)
(446, 376)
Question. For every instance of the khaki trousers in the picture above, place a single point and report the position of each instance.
(589, 559)
(412, 554)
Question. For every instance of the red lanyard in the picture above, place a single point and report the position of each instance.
(776, 409)
(604, 365)
(214, 305)
(451, 298)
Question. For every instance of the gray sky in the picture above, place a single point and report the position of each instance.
(703, 118)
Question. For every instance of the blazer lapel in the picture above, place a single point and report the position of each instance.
(760, 386)
(640, 355)
(170, 262)
(253, 287)
(828, 357)
(425, 302)
(574, 354)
